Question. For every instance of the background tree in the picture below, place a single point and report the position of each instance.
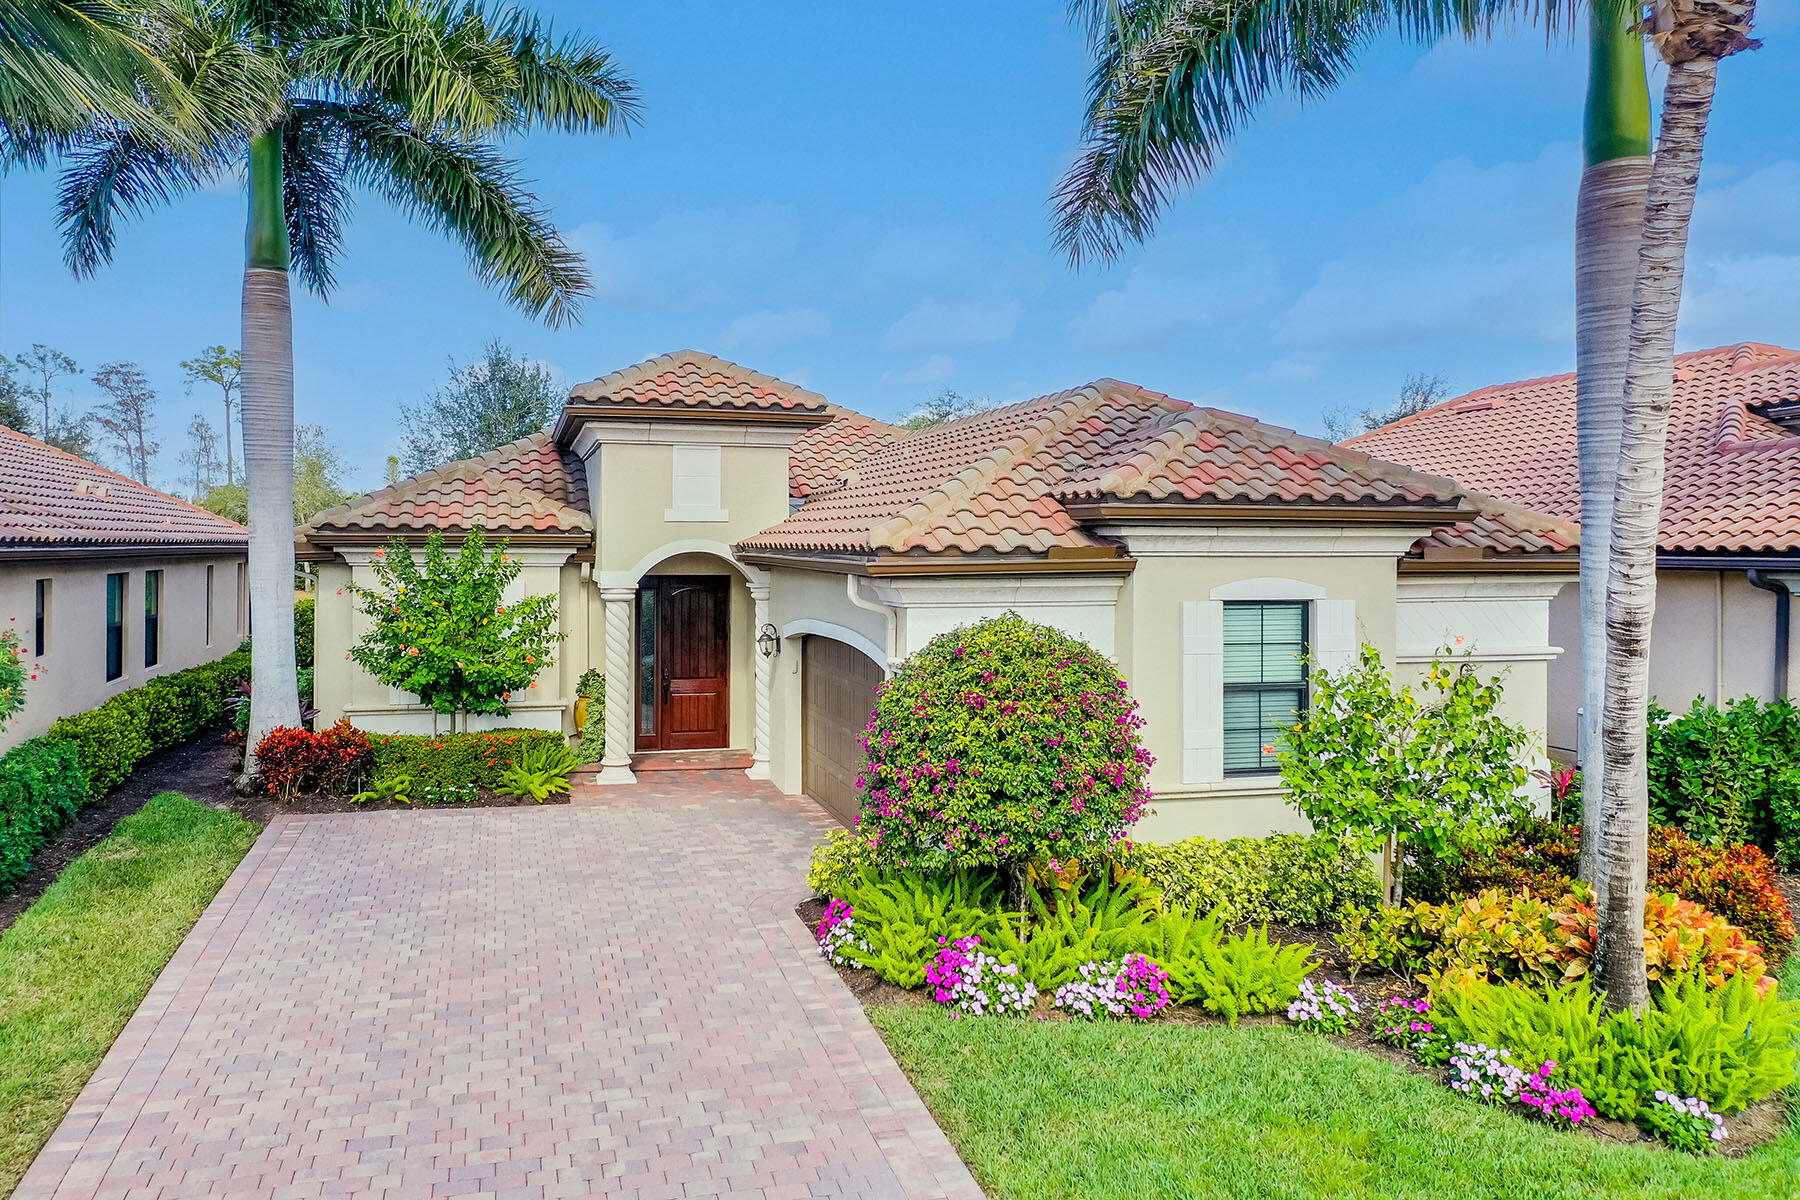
(947, 405)
(484, 406)
(318, 473)
(128, 414)
(15, 411)
(1418, 392)
(441, 628)
(202, 454)
(1402, 772)
(406, 98)
(228, 500)
(48, 364)
(224, 370)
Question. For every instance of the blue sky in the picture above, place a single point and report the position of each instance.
(854, 197)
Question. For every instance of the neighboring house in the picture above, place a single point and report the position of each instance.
(745, 561)
(107, 582)
(1728, 552)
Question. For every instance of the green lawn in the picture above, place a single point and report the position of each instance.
(74, 967)
(1097, 1111)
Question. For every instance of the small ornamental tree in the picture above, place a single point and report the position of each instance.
(441, 628)
(1390, 770)
(997, 745)
(12, 677)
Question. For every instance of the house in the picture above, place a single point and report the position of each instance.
(745, 560)
(107, 582)
(1728, 551)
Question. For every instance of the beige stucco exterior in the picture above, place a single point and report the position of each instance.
(71, 674)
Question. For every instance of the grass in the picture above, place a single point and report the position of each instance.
(76, 964)
(1094, 1111)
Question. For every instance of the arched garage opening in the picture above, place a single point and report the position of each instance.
(837, 683)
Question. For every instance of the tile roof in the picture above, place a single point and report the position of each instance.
(822, 456)
(1501, 528)
(692, 380)
(49, 498)
(524, 487)
(997, 482)
(1732, 478)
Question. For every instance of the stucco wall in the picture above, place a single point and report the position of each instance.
(635, 488)
(1713, 637)
(72, 677)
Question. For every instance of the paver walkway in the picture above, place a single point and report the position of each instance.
(608, 998)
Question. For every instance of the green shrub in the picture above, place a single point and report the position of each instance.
(1231, 975)
(901, 916)
(41, 786)
(1001, 743)
(542, 771)
(450, 760)
(1726, 1045)
(13, 676)
(304, 620)
(1288, 878)
(166, 711)
(837, 862)
(590, 742)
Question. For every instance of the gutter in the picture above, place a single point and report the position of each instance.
(1783, 612)
(888, 616)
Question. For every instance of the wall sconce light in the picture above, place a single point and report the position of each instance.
(768, 641)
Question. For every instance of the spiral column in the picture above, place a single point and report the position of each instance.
(621, 696)
(765, 683)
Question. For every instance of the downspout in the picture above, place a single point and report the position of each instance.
(1782, 605)
(889, 618)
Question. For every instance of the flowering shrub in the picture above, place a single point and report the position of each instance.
(1685, 1122)
(1553, 1104)
(999, 743)
(1406, 1024)
(836, 934)
(972, 981)
(1486, 1073)
(13, 675)
(1326, 1008)
(448, 793)
(442, 629)
(1134, 986)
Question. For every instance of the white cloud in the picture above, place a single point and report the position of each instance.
(1216, 277)
(933, 324)
(771, 327)
(1285, 370)
(938, 368)
(1743, 264)
(697, 258)
(1466, 250)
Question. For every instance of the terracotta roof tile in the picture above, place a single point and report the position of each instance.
(527, 486)
(51, 498)
(822, 457)
(691, 379)
(1732, 478)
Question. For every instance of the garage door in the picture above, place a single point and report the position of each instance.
(837, 694)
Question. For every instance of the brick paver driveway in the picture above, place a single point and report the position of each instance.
(609, 998)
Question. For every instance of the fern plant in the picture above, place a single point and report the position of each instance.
(1106, 919)
(1231, 975)
(387, 789)
(541, 771)
(901, 915)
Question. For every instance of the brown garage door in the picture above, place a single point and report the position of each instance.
(837, 694)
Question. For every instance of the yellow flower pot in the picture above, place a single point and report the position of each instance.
(580, 713)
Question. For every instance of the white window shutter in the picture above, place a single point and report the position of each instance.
(1202, 691)
(1335, 639)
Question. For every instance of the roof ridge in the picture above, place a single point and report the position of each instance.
(91, 465)
(605, 384)
(456, 468)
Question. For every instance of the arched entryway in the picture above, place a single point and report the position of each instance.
(837, 694)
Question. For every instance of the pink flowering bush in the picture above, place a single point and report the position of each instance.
(1134, 987)
(1488, 1074)
(1559, 1106)
(1324, 1008)
(972, 981)
(836, 933)
(1685, 1122)
(1407, 1025)
(1000, 743)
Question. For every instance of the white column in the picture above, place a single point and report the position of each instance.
(621, 695)
(765, 682)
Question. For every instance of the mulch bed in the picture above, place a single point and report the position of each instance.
(1758, 1124)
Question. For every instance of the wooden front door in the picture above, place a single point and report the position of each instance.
(684, 683)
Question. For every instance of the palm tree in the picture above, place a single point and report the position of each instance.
(1609, 217)
(1692, 36)
(402, 97)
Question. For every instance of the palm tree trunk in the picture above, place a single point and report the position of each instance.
(230, 470)
(267, 408)
(1609, 219)
(1631, 587)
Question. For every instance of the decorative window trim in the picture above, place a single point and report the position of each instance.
(696, 476)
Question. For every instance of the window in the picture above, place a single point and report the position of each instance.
(40, 630)
(694, 490)
(115, 626)
(1265, 680)
(243, 600)
(152, 616)
(209, 603)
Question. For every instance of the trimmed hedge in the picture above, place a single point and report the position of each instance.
(41, 786)
(1288, 878)
(447, 759)
(166, 711)
(304, 621)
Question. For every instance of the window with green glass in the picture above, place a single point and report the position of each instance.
(115, 625)
(152, 617)
(1265, 680)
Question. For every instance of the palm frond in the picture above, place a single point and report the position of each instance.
(313, 195)
(113, 172)
(468, 190)
(569, 84)
(64, 64)
(438, 62)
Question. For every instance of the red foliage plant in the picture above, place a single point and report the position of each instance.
(296, 760)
